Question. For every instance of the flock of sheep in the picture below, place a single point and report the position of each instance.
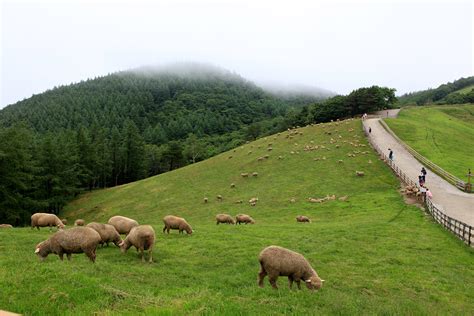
(274, 261)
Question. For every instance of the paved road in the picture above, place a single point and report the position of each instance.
(446, 197)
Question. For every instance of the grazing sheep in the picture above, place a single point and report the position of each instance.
(253, 201)
(269, 148)
(360, 173)
(277, 261)
(44, 219)
(343, 198)
(280, 157)
(107, 233)
(244, 175)
(266, 156)
(303, 219)
(174, 222)
(239, 202)
(225, 219)
(74, 240)
(232, 185)
(243, 218)
(206, 200)
(250, 152)
(230, 157)
(79, 222)
(141, 237)
(340, 161)
(6, 226)
(255, 174)
(219, 198)
(292, 200)
(64, 221)
(122, 224)
(260, 159)
(370, 161)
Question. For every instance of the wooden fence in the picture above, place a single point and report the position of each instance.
(432, 166)
(460, 229)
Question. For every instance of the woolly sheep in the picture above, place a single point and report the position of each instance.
(219, 198)
(244, 218)
(175, 222)
(277, 261)
(255, 174)
(225, 219)
(239, 202)
(244, 175)
(141, 237)
(107, 233)
(206, 200)
(360, 173)
(79, 222)
(232, 185)
(74, 240)
(6, 226)
(343, 198)
(64, 221)
(303, 219)
(44, 219)
(122, 224)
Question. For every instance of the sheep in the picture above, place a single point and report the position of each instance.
(314, 200)
(219, 198)
(266, 156)
(232, 185)
(6, 226)
(292, 200)
(44, 219)
(243, 218)
(260, 159)
(303, 219)
(225, 219)
(250, 152)
(239, 202)
(64, 221)
(206, 200)
(79, 222)
(230, 157)
(370, 161)
(255, 174)
(174, 222)
(269, 148)
(244, 175)
(253, 201)
(141, 237)
(340, 161)
(280, 157)
(343, 198)
(277, 261)
(122, 224)
(107, 233)
(74, 240)
(360, 173)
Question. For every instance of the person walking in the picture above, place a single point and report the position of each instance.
(370, 130)
(423, 173)
(390, 154)
(428, 193)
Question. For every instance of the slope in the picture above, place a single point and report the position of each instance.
(377, 254)
(443, 134)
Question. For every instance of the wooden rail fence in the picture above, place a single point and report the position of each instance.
(460, 229)
(434, 167)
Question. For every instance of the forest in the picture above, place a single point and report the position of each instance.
(131, 125)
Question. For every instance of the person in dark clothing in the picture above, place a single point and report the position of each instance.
(370, 130)
(390, 155)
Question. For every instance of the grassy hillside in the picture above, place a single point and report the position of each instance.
(377, 254)
(443, 134)
(465, 90)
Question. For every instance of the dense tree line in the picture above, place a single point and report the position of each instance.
(444, 94)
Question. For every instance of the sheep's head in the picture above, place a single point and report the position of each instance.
(43, 249)
(189, 230)
(314, 283)
(118, 241)
(61, 226)
(123, 246)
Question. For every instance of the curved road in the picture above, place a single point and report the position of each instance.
(448, 198)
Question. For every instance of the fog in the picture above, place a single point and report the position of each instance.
(333, 45)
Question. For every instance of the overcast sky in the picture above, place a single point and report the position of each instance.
(336, 45)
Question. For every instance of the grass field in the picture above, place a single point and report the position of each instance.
(443, 134)
(464, 90)
(377, 254)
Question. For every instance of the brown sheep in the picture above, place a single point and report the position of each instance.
(74, 240)
(243, 218)
(6, 226)
(122, 224)
(44, 219)
(277, 261)
(225, 219)
(303, 219)
(174, 222)
(107, 233)
(141, 237)
(79, 222)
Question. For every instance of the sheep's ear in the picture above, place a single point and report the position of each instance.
(37, 250)
(308, 281)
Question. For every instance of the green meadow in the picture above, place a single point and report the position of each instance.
(443, 134)
(377, 254)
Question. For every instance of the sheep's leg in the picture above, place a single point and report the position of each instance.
(272, 279)
(68, 256)
(37, 227)
(261, 275)
(150, 254)
(61, 256)
(290, 282)
(298, 282)
(142, 254)
(164, 229)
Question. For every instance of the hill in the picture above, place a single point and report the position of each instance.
(443, 134)
(457, 92)
(377, 254)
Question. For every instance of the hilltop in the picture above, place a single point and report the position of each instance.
(457, 92)
(377, 254)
